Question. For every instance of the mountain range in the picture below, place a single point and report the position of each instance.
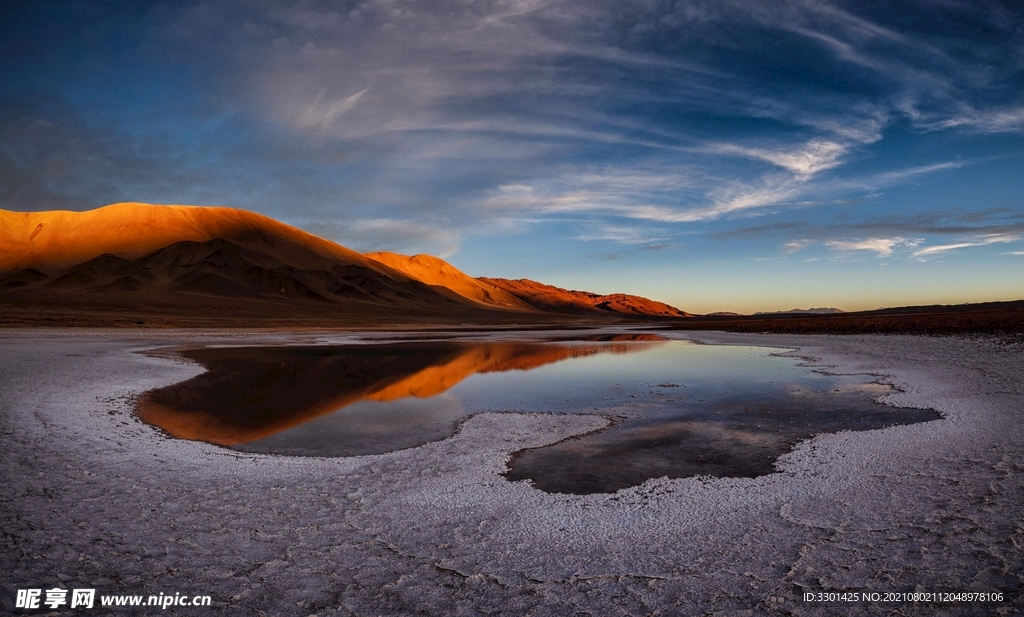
(135, 262)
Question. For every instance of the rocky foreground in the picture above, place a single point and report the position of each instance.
(91, 497)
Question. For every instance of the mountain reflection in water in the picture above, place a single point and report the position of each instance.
(249, 394)
(679, 409)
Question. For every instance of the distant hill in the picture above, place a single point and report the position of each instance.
(1005, 319)
(810, 311)
(208, 265)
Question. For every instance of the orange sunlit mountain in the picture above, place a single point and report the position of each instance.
(555, 299)
(434, 271)
(51, 241)
(284, 387)
(209, 265)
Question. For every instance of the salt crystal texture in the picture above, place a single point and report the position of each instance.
(92, 497)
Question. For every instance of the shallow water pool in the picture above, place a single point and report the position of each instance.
(677, 408)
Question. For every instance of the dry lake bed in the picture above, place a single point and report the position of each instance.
(611, 472)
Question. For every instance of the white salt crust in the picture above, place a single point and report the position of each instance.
(92, 497)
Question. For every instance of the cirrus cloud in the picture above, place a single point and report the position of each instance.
(882, 246)
(980, 241)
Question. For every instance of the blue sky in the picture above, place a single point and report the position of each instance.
(719, 156)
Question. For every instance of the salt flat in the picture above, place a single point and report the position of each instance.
(91, 497)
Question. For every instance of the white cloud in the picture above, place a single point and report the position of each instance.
(642, 195)
(982, 241)
(1002, 120)
(895, 177)
(883, 246)
(815, 156)
(621, 234)
(772, 193)
(510, 189)
(321, 114)
(795, 246)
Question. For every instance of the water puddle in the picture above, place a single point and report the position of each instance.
(679, 409)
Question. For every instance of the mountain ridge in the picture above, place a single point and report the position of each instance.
(435, 271)
(570, 301)
(219, 261)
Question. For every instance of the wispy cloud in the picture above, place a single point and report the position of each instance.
(321, 114)
(772, 192)
(645, 196)
(795, 246)
(440, 125)
(805, 161)
(982, 241)
(993, 120)
(882, 246)
(623, 235)
(890, 178)
(396, 235)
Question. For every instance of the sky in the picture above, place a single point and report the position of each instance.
(725, 155)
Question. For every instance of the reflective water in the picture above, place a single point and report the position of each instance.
(679, 409)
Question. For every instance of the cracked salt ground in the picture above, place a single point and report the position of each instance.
(436, 530)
